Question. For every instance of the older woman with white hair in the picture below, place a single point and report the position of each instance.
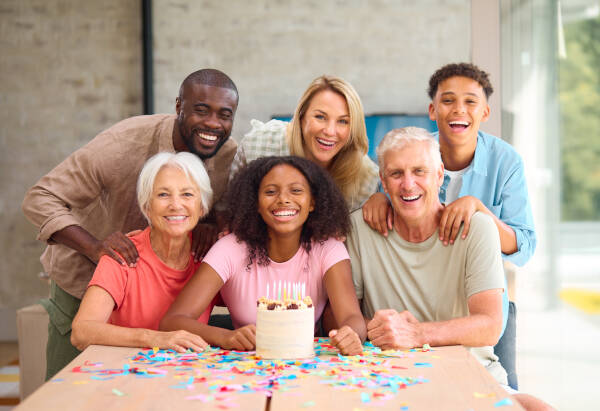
(123, 305)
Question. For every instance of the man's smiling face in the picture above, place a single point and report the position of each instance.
(205, 117)
(459, 107)
(412, 180)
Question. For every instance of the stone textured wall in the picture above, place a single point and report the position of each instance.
(68, 70)
(273, 49)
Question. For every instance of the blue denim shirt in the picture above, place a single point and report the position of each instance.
(497, 179)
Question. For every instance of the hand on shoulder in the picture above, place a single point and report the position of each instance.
(454, 215)
(378, 213)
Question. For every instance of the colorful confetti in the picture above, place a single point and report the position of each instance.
(117, 392)
(369, 374)
(482, 395)
(504, 402)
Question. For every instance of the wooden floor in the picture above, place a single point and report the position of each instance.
(9, 358)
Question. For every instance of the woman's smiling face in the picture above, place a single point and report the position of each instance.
(284, 200)
(175, 205)
(325, 127)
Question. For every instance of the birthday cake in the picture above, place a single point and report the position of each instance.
(285, 328)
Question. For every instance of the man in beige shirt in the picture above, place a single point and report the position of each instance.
(414, 290)
(84, 206)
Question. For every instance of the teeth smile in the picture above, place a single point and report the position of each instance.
(459, 123)
(326, 143)
(285, 213)
(411, 198)
(176, 217)
(207, 137)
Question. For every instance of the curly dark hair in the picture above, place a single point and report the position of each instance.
(462, 70)
(329, 218)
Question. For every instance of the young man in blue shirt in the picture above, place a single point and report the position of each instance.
(481, 173)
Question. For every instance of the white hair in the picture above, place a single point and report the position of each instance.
(189, 163)
(398, 138)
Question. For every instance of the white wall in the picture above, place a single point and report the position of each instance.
(71, 69)
(68, 69)
(386, 49)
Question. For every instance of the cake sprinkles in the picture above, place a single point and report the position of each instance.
(265, 303)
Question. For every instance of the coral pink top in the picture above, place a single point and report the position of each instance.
(143, 294)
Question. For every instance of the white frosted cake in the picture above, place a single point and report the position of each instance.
(285, 329)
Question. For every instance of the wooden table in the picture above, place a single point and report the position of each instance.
(445, 378)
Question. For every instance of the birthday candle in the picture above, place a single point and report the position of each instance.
(303, 289)
(279, 294)
(267, 291)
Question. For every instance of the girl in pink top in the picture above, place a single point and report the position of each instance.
(285, 213)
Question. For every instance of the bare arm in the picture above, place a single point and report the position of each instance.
(378, 213)
(390, 329)
(90, 327)
(81, 240)
(460, 211)
(191, 303)
(508, 238)
(74, 184)
(344, 305)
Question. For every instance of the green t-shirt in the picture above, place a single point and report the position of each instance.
(430, 280)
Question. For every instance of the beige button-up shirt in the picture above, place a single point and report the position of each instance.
(95, 188)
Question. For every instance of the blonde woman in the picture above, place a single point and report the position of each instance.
(328, 128)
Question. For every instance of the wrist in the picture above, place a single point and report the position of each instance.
(422, 338)
(221, 337)
(144, 337)
(93, 251)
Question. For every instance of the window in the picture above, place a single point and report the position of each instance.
(579, 98)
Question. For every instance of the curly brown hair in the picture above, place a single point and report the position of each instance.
(461, 70)
(329, 218)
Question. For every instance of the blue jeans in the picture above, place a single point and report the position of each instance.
(506, 349)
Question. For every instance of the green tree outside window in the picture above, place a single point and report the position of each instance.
(579, 87)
